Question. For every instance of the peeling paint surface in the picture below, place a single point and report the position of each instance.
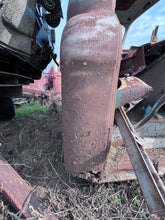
(97, 30)
(90, 59)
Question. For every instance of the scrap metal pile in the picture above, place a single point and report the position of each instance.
(98, 87)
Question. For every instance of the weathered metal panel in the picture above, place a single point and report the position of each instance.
(19, 193)
(154, 128)
(90, 58)
(153, 75)
(127, 13)
(131, 89)
(153, 131)
(134, 61)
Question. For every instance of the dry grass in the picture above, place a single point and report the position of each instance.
(34, 147)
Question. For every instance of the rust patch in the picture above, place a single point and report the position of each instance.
(90, 59)
(19, 193)
(131, 89)
(134, 61)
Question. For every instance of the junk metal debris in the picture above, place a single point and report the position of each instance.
(20, 194)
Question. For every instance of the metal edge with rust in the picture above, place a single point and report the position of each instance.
(19, 194)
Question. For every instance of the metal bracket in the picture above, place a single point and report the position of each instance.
(149, 180)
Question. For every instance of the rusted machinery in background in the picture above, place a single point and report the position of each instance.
(27, 38)
(26, 48)
(98, 87)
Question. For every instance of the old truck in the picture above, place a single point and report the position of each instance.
(27, 37)
(102, 89)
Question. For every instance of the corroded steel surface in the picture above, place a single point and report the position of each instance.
(77, 7)
(153, 51)
(90, 59)
(153, 136)
(153, 75)
(134, 61)
(149, 180)
(19, 193)
(131, 89)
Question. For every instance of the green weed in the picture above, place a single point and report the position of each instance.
(143, 214)
(117, 200)
(84, 188)
(47, 146)
(29, 109)
(135, 182)
(135, 191)
(136, 202)
(57, 161)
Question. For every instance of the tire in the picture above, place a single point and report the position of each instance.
(7, 111)
(50, 5)
(52, 20)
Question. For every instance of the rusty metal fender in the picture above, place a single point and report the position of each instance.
(90, 60)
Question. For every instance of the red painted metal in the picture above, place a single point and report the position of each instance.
(57, 80)
(40, 92)
(90, 58)
(20, 194)
(38, 86)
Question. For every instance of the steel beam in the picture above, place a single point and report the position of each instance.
(149, 180)
(20, 194)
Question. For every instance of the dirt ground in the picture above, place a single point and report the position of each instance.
(33, 145)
